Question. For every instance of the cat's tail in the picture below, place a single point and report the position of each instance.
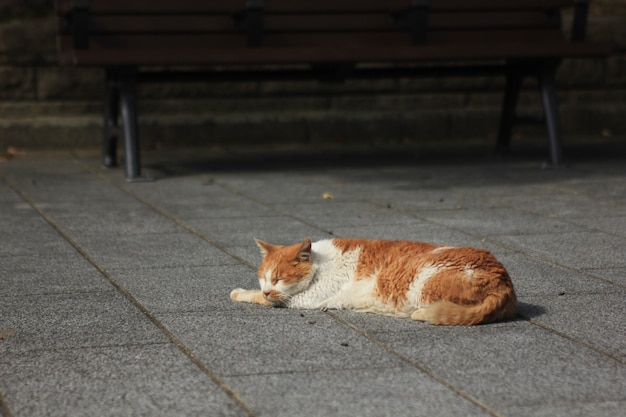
(494, 307)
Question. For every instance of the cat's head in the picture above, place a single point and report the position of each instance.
(285, 270)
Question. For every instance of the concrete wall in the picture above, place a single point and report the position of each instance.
(46, 105)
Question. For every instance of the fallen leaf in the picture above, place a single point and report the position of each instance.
(13, 151)
(327, 196)
(6, 332)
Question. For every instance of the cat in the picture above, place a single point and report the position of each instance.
(437, 284)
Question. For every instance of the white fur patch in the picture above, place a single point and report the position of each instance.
(414, 294)
(442, 248)
(334, 270)
(266, 281)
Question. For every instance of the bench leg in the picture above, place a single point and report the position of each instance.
(128, 101)
(547, 83)
(110, 128)
(514, 81)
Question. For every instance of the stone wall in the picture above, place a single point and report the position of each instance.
(46, 105)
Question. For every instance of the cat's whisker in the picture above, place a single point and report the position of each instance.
(284, 299)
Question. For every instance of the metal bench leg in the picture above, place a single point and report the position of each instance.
(547, 83)
(110, 128)
(514, 81)
(128, 101)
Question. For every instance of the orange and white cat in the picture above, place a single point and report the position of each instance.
(437, 284)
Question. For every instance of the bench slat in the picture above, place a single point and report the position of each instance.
(306, 23)
(288, 6)
(313, 55)
(204, 43)
(155, 52)
(155, 6)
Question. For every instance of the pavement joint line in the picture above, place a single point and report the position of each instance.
(151, 316)
(53, 293)
(417, 366)
(87, 347)
(187, 227)
(551, 217)
(573, 339)
(314, 371)
(167, 215)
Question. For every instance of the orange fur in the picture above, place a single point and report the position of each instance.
(284, 262)
(436, 284)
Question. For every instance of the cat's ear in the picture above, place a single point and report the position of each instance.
(265, 247)
(304, 253)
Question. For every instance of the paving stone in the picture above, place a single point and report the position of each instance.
(581, 250)
(149, 251)
(416, 196)
(418, 230)
(8, 197)
(609, 184)
(76, 194)
(130, 221)
(199, 198)
(184, 289)
(508, 366)
(565, 205)
(249, 252)
(44, 241)
(614, 275)
(392, 391)
(500, 221)
(329, 215)
(24, 276)
(20, 217)
(577, 409)
(287, 188)
(260, 340)
(148, 380)
(533, 277)
(610, 225)
(54, 321)
(242, 231)
(596, 319)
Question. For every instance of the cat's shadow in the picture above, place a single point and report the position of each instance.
(529, 311)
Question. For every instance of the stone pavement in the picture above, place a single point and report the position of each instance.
(114, 295)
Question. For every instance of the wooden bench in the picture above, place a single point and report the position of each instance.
(230, 40)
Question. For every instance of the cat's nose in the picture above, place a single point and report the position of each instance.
(266, 292)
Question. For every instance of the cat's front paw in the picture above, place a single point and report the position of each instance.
(249, 296)
(236, 294)
(327, 305)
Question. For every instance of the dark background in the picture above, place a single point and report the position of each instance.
(44, 105)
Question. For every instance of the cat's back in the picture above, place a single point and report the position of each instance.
(381, 249)
(408, 258)
(375, 254)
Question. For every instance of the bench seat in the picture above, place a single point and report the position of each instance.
(324, 39)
